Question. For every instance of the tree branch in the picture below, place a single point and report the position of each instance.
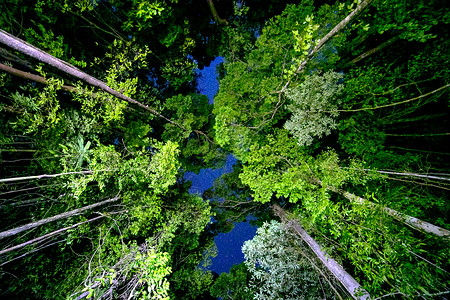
(38, 239)
(397, 103)
(371, 52)
(327, 37)
(215, 14)
(33, 77)
(28, 49)
(68, 214)
(48, 176)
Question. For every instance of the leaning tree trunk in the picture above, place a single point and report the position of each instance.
(65, 215)
(347, 281)
(33, 77)
(328, 36)
(46, 236)
(371, 51)
(25, 48)
(213, 10)
(413, 222)
(48, 176)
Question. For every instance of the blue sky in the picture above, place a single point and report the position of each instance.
(228, 244)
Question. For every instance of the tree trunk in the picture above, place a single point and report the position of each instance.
(407, 174)
(413, 222)
(328, 36)
(46, 176)
(33, 77)
(347, 281)
(65, 215)
(215, 14)
(45, 236)
(25, 48)
(371, 52)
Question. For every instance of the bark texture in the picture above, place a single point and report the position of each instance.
(347, 281)
(36, 53)
(219, 20)
(65, 215)
(413, 222)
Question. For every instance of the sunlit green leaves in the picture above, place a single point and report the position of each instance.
(278, 266)
(314, 107)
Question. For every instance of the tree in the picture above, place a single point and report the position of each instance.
(312, 101)
(68, 146)
(377, 91)
(233, 285)
(279, 267)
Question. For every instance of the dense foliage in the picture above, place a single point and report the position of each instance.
(347, 131)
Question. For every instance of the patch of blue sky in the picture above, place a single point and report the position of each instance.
(207, 80)
(206, 177)
(229, 247)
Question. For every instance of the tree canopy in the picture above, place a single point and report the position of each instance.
(337, 112)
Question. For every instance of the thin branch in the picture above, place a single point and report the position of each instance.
(397, 103)
(45, 236)
(327, 37)
(418, 150)
(371, 52)
(419, 183)
(31, 252)
(68, 214)
(418, 135)
(33, 77)
(114, 34)
(426, 260)
(30, 159)
(26, 189)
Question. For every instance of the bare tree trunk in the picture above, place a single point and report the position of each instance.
(46, 176)
(328, 36)
(347, 281)
(45, 236)
(215, 14)
(11, 57)
(371, 52)
(33, 77)
(407, 174)
(28, 49)
(413, 222)
(65, 215)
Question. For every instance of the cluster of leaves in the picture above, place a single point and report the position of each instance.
(314, 107)
(147, 243)
(278, 266)
(384, 112)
